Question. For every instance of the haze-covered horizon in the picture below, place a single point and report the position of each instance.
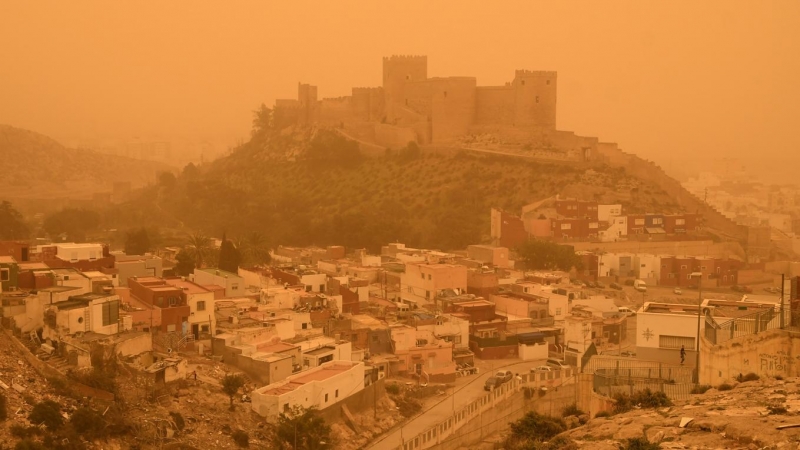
(667, 81)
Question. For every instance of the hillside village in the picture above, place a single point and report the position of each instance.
(334, 328)
(576, 302)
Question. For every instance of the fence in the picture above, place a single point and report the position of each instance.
(438, 433)
(717, 333)
(609, 382)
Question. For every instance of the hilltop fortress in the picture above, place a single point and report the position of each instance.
(444, 111)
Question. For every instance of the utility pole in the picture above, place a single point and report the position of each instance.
(699, 312)
(783, 293)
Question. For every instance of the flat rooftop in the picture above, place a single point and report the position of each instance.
(321, 373)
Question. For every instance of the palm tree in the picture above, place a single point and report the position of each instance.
(199, 247)
(253, 248)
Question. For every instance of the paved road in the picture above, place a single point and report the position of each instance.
(464, 395)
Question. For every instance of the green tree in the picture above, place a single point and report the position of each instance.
(544, 255)
(302, 429)
(262, 120)
(3, 407)
(48, 413)
(137, 242)
(12, 225)
(73, 223)
(331, 148)
(253, 249)
(185, 265)
(231, 385)
(87, 422)
(199, 247)
(229, 257)
(167, 180)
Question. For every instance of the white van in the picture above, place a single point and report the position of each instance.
(624, 310)
(640, 285)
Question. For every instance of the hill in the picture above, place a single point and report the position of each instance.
(36, 166)
(311, 187)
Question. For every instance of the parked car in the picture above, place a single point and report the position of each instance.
(491, 383)
(591, 284)
(557, 364)
(600, 285)
(624, 310)
(628, 282)
(504, 376)
(640, 285)
(615, 286)
(629, 354)
(677, 291)
(741, 288)
(541, 369)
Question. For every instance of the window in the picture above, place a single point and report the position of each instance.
(304, 326)
(428, 295)
(445, 94)
(234, 286)
(702, 267)
(537, 99)
(680, 221)
(643, 265)
(658, 221)
(336, 395)
(683, 267)
(5, 275)
(675, 342)
(204, 329)
(672, 275)
(308, 288)
(429, 277)
(173, 301)
(663, 266)
(558, 311)
(523, 82)
(422, 342)
(422, 275)
(548, 82)
(457, 339)
(593, 225)
(110, 313)
(688, 276)
(322, 288)
(566, 226)
(201, 305)
(638, 222)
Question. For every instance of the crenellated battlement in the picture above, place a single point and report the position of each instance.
(405, 58)
(521, 73)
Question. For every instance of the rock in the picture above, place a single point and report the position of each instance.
(656, 437)
(572, 422)
(584, 418)
(625, 421)
(629, 431)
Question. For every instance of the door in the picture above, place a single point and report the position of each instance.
(196, 331)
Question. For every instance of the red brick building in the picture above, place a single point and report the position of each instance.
(155, 292)
(576, 209)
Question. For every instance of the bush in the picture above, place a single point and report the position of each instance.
(700, 388)
(393, 388)
(642, 399)
(28, 444)
(776, 409)
(640, 443)
(603, 414)
(572, 410)
(724, 387)
(48, 413)
(241, 438)
(749, 377)
(180, 424)
(87, 423)
(536, 427)
(407, 406)
(22, 432)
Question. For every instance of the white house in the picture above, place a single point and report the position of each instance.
(318, 387)
(661, 330)
(234, 284)
(606, 212)
(97, 313)
(202, 320)
(617, 229)
(280, 297)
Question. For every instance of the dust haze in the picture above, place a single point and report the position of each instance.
(680, 83)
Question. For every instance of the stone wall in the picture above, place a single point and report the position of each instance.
(769, 353)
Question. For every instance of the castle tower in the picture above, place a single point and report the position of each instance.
(307, 96)
(535, 98)
(397, 71)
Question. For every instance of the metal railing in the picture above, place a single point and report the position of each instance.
(607, 383)
(717, 333)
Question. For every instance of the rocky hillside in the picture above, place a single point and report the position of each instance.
(746, 415)
(35, 166)
(305, 187)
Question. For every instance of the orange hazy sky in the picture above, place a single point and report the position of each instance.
(664, 79)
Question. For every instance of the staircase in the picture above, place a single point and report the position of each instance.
(87, 316)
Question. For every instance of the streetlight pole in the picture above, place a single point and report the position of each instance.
(699, 312)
